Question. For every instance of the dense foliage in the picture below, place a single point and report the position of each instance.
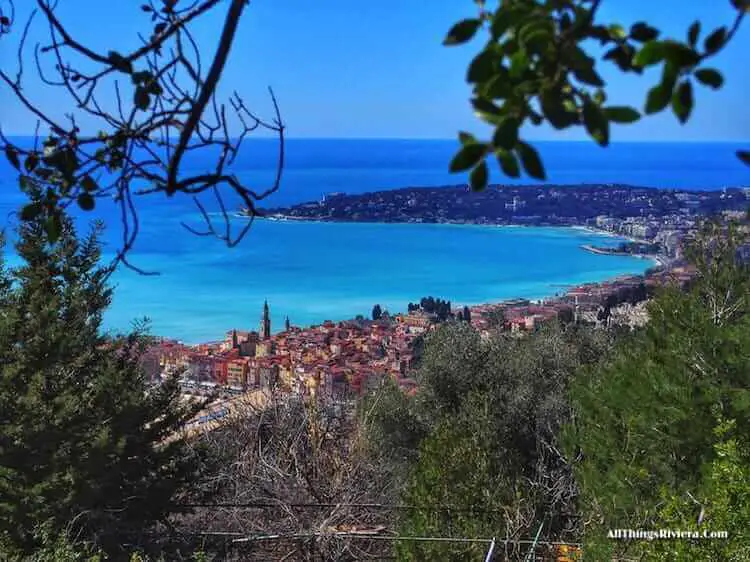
(82, 436)
(665, 424)
(480, 437)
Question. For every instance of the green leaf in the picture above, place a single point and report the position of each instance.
(506, 134)
(622, 55)
(508, 163)
(487, 111)
(658, 98)
(536, 34)
(554, 110)
(483, 67)
(31, 162)
(669, 76)
(682, 101)
(596, 123)
(710, 77)
(462, 32)
(589, 76)
(519, 63)
(119, 62)
(478, 177)
(744, 155)
(88, 184)
(497, 87)
(531, 161)
(643, 32)
(468, 157)
(600, 32)
(501, 22)
(466, 138)
(622, 114)
(31, 211)
(539, 41)
(576, 57)
(616, 31)
(693, 33)
(652, 53)
(715, 41)
(680, 55)
(12, 156)
(141, 98)
(86, 201)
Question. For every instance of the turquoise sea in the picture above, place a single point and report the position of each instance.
(312, 272)
(317, 271)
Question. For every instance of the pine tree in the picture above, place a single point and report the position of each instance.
(377, 312)
(646, 420)
(82, 438)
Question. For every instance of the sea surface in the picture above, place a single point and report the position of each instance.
(313, 272)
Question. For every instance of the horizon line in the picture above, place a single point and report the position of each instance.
(454, 139)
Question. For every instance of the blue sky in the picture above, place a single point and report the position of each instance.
(363, 69)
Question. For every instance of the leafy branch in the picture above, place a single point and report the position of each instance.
(536, 67)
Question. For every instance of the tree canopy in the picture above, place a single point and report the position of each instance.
(480, 438)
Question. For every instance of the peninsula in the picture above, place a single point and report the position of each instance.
(537, 205)
(657, 220)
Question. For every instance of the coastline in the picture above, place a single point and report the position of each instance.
(658, 260)
(323, 220)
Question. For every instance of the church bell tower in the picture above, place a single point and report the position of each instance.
(265, 323)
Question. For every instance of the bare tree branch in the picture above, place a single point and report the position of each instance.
(167, 109)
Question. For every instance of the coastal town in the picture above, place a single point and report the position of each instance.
(338, 360)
